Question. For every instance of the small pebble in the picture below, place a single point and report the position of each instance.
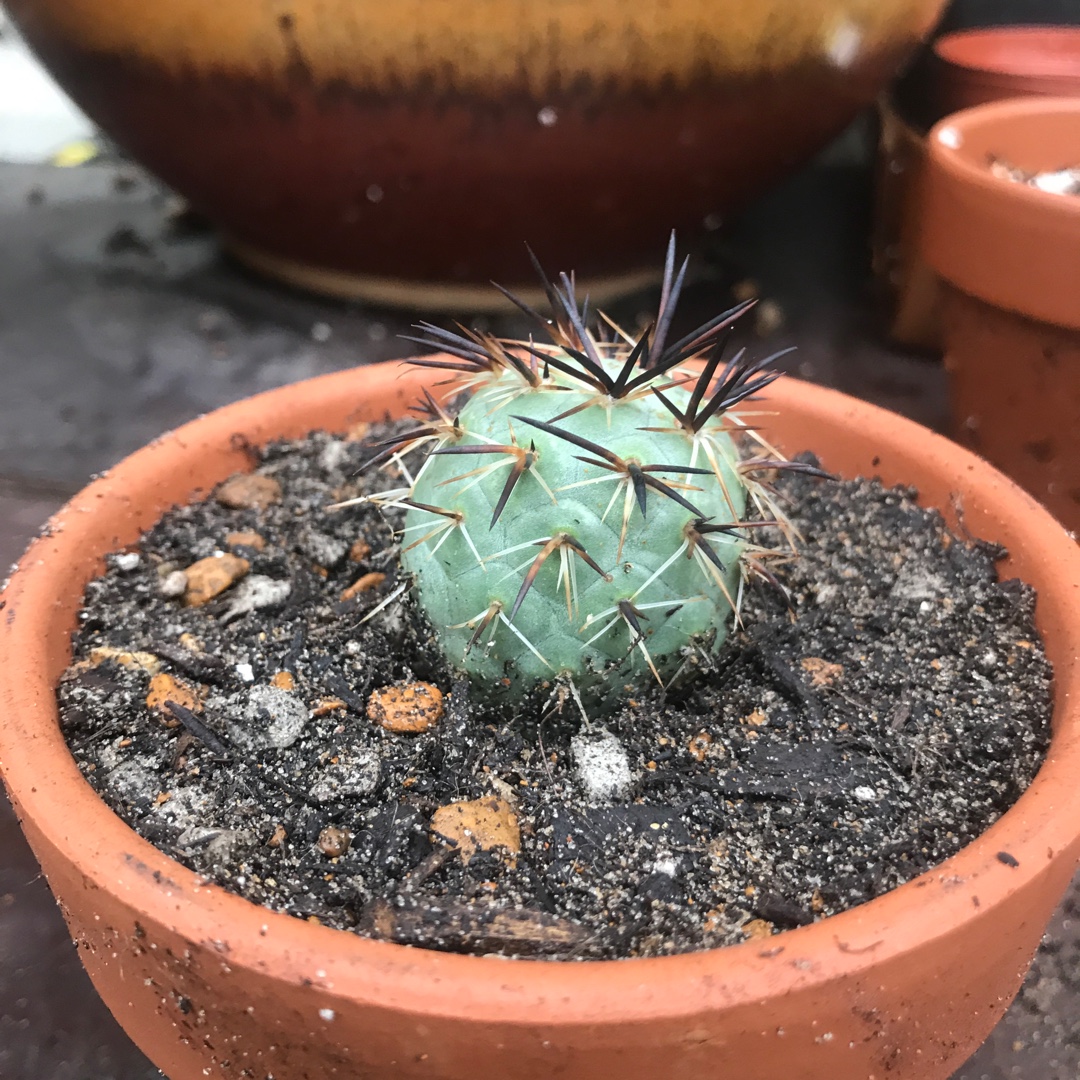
(333, 841)
(821, 672)
(164, 687)
(602, 766)
(477, 825)
(173, 585)
(139, 783)
(127, 560)
(918, 583)
(406, 709)
(825, 594)
(245, 539)
(324, 550)
(351, 776)
(220, 846)
(248, 491)
(699, 744)
(273, 717)
(256, 592)
(864, 793)
(667, 865)
(334, 455)
(283, 680)
(211, 576)
(757, 928)
(246, 672)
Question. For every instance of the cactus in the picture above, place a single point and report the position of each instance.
(583, 513)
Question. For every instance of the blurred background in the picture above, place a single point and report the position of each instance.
(270, 191)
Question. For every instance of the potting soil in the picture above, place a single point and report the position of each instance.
(858, 727)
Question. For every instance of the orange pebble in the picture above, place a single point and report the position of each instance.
(757, 929)
(248, 491)
(699, 744)
(245, 539)
(406, 709)
(477, 825)
(213, 575)
(164, 687)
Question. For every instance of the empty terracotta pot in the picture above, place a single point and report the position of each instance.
(901, 988)
(404, 151)
(1011, 320)
(977, 66)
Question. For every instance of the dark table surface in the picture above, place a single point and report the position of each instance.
(119, 321)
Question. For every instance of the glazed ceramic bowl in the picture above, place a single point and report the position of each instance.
(404, 151)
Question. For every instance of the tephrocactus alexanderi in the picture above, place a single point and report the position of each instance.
(584, 513)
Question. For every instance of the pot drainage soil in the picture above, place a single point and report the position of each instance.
(252, 692)
(1064, 181)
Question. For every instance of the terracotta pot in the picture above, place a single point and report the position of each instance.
(364, 148)
(978, 66)
(1011, 255)
(968, 68)
(904, 987)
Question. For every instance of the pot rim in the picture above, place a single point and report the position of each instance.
(959, 49)
(996, 239)
(62, 811)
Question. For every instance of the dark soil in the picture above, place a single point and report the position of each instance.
(818, 760)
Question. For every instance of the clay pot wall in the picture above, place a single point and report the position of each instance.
(1011, 317)
(903, 987)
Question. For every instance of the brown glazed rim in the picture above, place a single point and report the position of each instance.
(47, 787)
(1008, 244)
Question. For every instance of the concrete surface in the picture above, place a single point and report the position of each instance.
(118, 320)
(37, 119)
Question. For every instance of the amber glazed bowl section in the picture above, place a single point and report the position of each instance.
(902, 988)
(364, 147)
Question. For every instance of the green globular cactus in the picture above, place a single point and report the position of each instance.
(582, 515)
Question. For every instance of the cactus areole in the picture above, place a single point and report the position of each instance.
(583, 514)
